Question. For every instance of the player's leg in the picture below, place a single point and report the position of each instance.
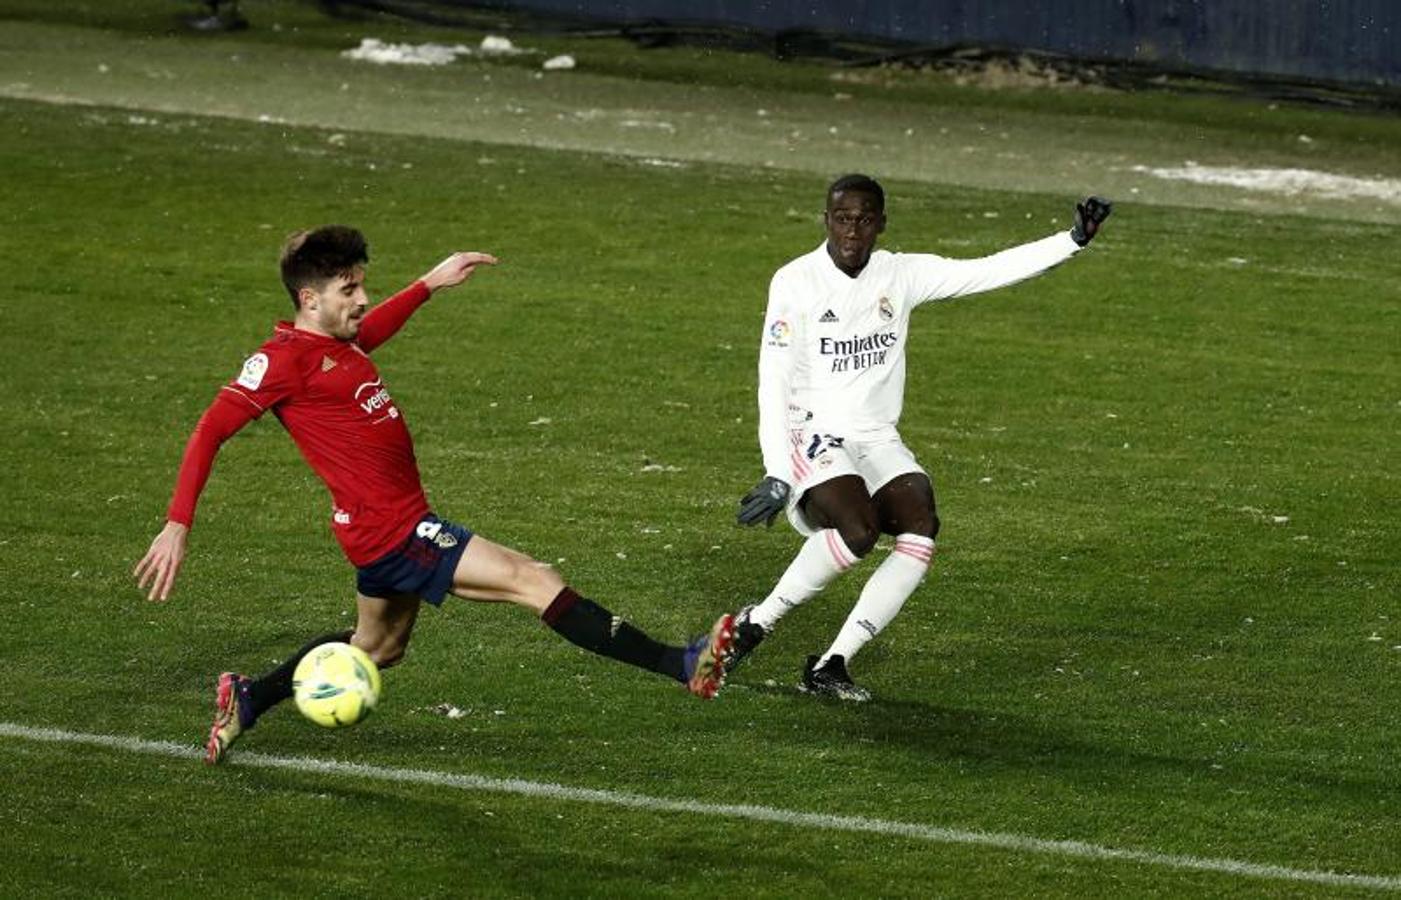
(384, 625)
(906, 509)
(843, 504)
(906, 505)
(239, 700)
(842, 525)
(490, 572)
(382, 630)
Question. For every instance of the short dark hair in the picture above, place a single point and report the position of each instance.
(863, 184)
(311, 258)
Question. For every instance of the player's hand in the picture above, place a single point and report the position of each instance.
(456, 269)
(764, 502)
(1090, 213)
(161, 563)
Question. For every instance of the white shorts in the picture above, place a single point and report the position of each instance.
(819, 457)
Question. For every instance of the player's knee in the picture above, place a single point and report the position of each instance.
(534, 582)
(927, 526)
(860, 537)
(922, 520)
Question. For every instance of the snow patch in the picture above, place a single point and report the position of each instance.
(495, 45)
(376, 51)
(646, 123)
(1288, 182)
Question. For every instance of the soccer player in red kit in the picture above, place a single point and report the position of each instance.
(316, 376)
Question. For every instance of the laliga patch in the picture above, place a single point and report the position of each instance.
(254, 368)
(779, 333)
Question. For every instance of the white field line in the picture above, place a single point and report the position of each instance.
(816, 821)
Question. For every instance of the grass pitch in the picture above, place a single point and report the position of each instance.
(1164, 612)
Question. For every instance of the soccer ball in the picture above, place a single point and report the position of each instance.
(336, 685)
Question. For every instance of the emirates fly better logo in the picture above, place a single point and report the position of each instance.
(854, 354)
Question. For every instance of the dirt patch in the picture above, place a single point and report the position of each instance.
(980, 70)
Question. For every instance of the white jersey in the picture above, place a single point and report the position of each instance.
(832, 358)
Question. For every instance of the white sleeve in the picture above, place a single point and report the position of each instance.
(936, 278)
(778, 356)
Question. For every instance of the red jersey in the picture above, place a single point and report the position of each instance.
(328, 395)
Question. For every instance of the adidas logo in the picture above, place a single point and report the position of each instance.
(327, 364)
(828, 316)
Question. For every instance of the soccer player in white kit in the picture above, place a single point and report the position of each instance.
(831, 385)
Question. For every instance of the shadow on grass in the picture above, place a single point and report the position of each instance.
(991, 742)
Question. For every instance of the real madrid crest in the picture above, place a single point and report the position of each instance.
(887, 312)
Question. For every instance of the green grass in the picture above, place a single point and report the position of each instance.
(1118, 644)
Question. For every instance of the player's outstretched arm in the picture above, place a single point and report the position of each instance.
(385, 320)
(456, 269)
(158, 568)
(936, 278)
(161, 563)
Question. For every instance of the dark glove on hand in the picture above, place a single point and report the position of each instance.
(1089, 214)
(764, 502)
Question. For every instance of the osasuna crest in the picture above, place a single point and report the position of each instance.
(887, 312)
(254, 368)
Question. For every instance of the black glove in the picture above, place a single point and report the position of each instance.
(1089, 214)
(764, 502)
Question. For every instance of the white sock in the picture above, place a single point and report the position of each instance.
(890, 586)
(824, 556)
